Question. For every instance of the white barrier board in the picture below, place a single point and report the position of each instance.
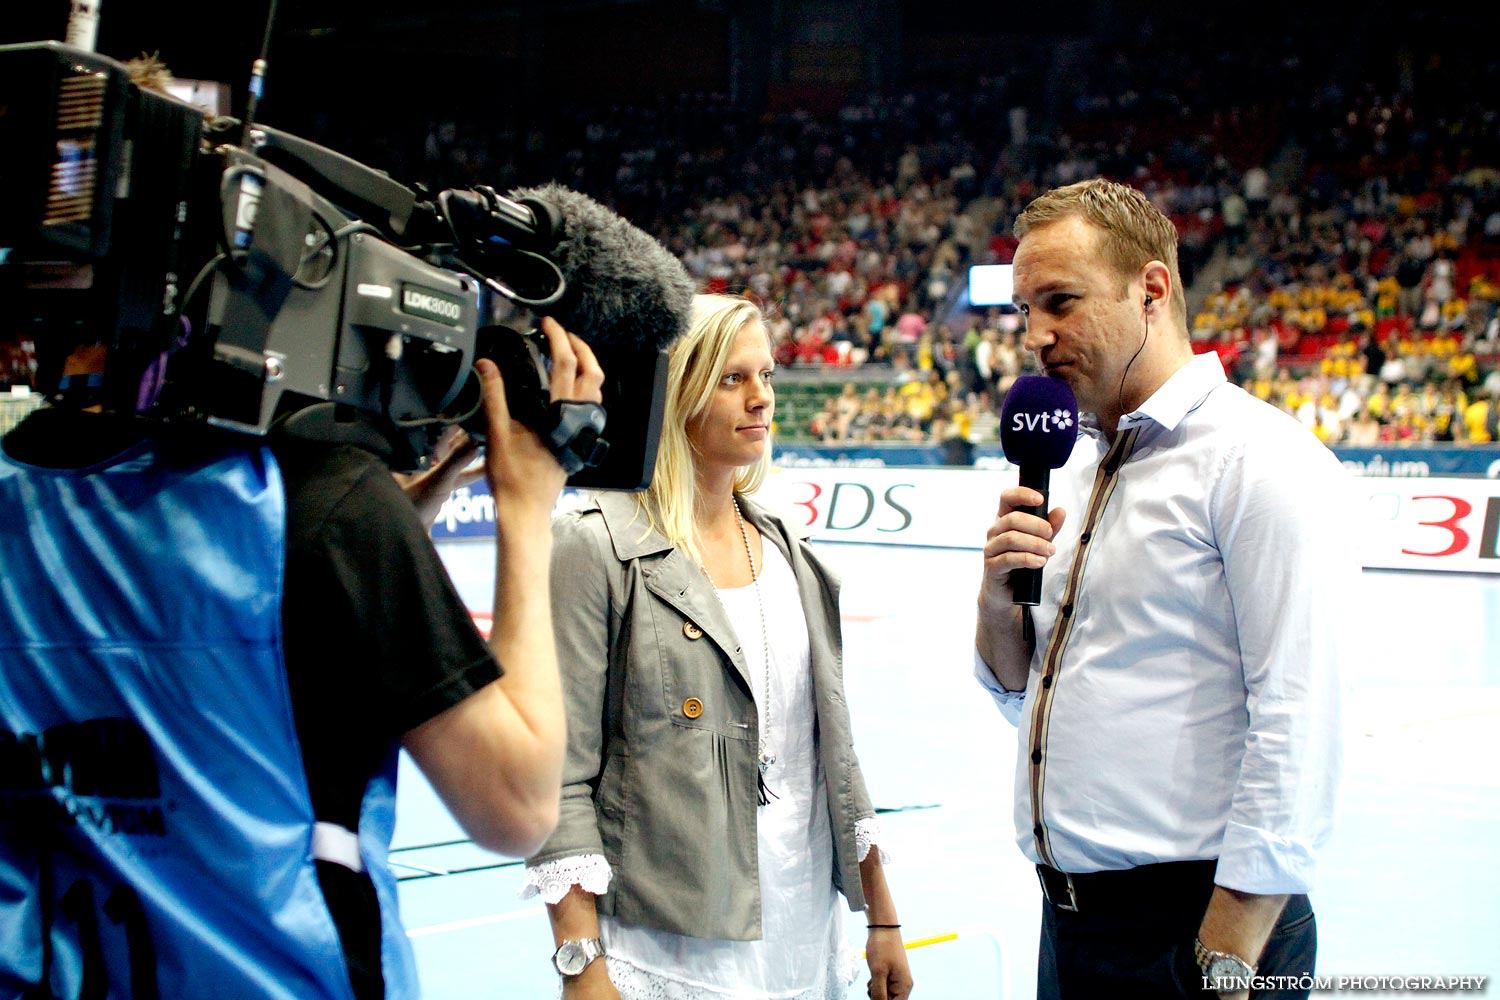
(1431, 524)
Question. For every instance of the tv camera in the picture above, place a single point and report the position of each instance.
(246, 278)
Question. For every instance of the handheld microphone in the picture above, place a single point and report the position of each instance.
(1038, 427)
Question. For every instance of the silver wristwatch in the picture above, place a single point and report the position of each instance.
(1224, 971)
(572, 957)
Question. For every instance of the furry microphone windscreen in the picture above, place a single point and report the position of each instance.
(624, 289)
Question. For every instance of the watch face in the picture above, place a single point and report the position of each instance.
(570, 959)
(1227, 969)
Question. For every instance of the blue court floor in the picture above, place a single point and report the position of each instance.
(1409, 886)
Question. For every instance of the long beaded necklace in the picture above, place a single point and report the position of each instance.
(764, 758)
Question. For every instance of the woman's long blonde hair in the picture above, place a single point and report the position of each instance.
(696, 363)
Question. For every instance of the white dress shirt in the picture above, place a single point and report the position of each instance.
(1193, 644)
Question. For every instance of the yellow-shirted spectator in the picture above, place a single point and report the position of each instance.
(1454, 310)
(1463, 365)
(961, 421)
(1387, 292)
(924, 353)
(1479, 421)
(1283, 389)
(1378, 402)
(1338, 366)
(917, 399)
(1403, 402)
(1442, 345)
(1338, 359)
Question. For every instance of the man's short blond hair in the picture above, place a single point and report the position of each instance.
(1132, 231)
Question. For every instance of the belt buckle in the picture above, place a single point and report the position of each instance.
(1071, 904)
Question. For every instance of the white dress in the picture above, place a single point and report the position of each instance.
(802, 954)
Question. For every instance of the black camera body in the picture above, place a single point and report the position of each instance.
(246, 279)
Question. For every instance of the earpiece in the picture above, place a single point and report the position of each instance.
(1148, 302)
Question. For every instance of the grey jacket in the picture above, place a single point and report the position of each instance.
(660, 775)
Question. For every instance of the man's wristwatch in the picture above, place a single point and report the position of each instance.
(572, 957)
(1222, 967)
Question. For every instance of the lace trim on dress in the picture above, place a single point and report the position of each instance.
(867, 835)
(552, 880)
(635, 983)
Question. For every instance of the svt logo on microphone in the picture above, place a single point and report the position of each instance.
(1057, 420)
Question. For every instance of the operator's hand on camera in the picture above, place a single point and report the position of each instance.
(452, 466)
(524, 476)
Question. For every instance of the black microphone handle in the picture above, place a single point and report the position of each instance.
(1026, 584)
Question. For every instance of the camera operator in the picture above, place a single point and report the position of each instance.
(211, 650)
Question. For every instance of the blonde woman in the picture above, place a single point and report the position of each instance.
(712, 807)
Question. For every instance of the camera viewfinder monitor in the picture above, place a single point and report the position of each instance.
(991, 284)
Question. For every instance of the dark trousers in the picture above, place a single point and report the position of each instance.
(1132, 936)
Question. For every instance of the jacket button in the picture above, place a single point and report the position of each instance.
(692, 708)
(691, 631)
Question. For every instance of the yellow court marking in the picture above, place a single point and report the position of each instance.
(924, 942)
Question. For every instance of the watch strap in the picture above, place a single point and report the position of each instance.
(591, 948)
(1206, 957)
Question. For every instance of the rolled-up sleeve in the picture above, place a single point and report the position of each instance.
(1008, 702)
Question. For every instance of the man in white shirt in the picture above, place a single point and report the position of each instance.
(1177, 688)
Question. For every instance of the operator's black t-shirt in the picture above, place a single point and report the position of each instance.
(376, 638)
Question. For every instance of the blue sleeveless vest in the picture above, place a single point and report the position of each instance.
(156, 830)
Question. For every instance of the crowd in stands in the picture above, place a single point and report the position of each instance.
(1357, 234)
(1375, 278)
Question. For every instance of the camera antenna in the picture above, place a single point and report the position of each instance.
(258, 77)
(83, 24)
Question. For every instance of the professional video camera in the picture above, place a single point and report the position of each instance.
(246, 279)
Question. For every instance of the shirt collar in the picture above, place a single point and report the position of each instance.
(1180, 394)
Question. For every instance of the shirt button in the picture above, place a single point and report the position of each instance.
(692, 708)
(1037, 831)
(691, 631)
(1047, 681)
(1084, 538)
(1067, 610)
(1036, 756)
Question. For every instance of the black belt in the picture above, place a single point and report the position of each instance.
(1126, 889)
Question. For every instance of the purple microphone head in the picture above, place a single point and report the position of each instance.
(1039, 422)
